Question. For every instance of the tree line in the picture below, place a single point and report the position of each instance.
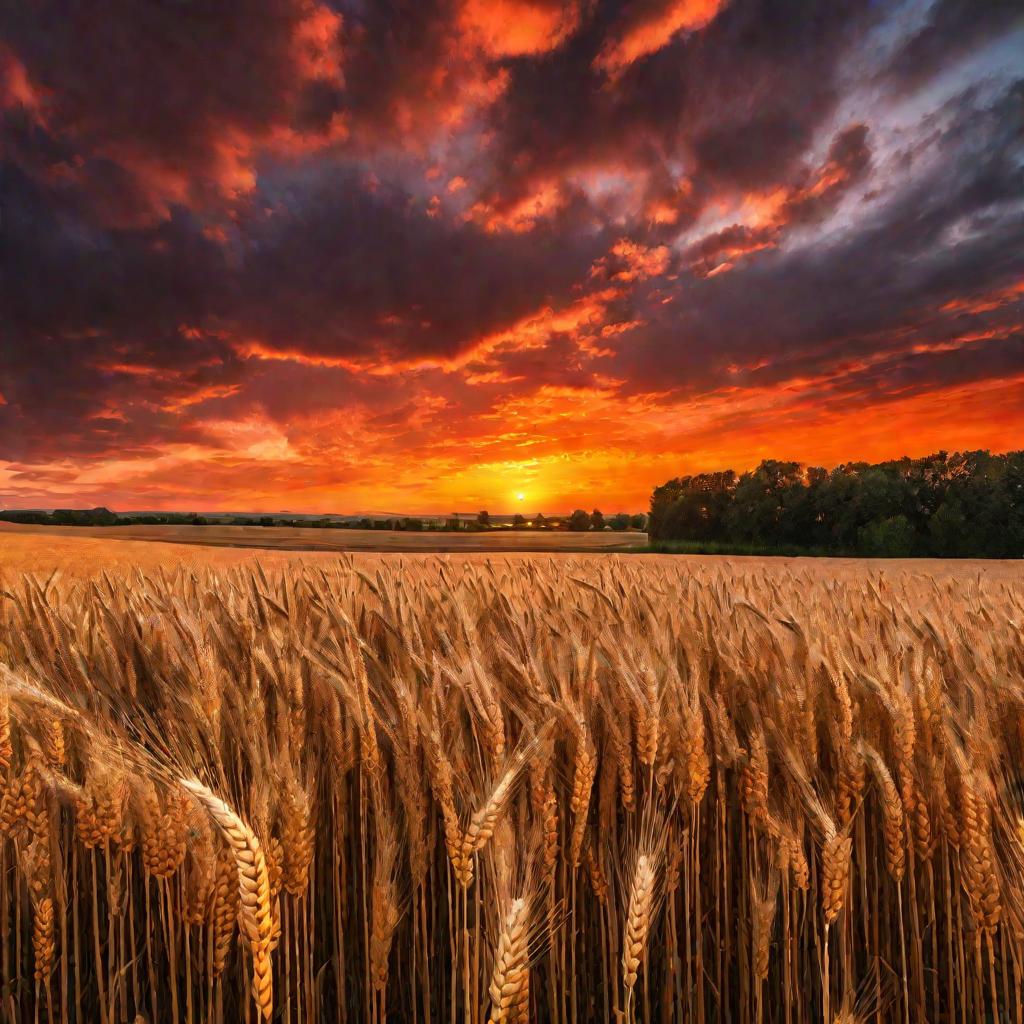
(576, 522)
(964, 504)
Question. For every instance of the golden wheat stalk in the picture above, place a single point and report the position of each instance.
(253, 888)
(639, 911)
(510, 978)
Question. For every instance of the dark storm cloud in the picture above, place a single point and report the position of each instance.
(848, 160)
(394, 68)
(339, 270)
(735, 105)
(356, 270)
(813, 196)
(62, 273)
(895, 270)
(952, 30)
(557, 362)
(79, 302)
(175, 94)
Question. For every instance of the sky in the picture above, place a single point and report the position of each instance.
(439, 255)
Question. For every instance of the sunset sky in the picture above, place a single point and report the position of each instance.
(437, 254)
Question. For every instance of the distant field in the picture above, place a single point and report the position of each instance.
(288, 538)
(44, 549)
(87, 551)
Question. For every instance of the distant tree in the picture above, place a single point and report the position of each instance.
(692, 507)
(959, 504)
(888, 538)
(89, 517)
(412, 523)
(540, 522)
(483, 519)
(638, 521)
(596, 520)
(31, 518)
(266, 520)
(619, 521)
(760, 499)
(947, 529)
(1011, 490)
(518, 521)
(579, 521)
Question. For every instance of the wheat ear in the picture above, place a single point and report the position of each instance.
(253, 888)
(510, 979)
(638, 919)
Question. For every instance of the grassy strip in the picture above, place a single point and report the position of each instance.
(711, 547)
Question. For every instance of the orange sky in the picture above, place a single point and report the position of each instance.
(329, 257)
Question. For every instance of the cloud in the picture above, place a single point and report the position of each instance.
(518, 28)
(812, 197)
(952, 29)
(316, 244)
(734, 105)
(944, 234)
(177, 101)
(372, 276)
(649, 25)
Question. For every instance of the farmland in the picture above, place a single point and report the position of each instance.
(289, 538)
(248, 784)
(81, 551)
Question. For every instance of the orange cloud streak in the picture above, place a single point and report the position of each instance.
(987, 302)
(653, 29)
(518, 28)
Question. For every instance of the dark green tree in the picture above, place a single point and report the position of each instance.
(579, 521)
(691, 506)
(757, 514)
(948, 530)
(888, 538)
(952, 505)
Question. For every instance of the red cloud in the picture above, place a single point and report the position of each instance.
(648, 26)
(987, 302)
(517, 28)
(178, 103)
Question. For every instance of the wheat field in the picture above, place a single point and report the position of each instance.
(542, 790)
